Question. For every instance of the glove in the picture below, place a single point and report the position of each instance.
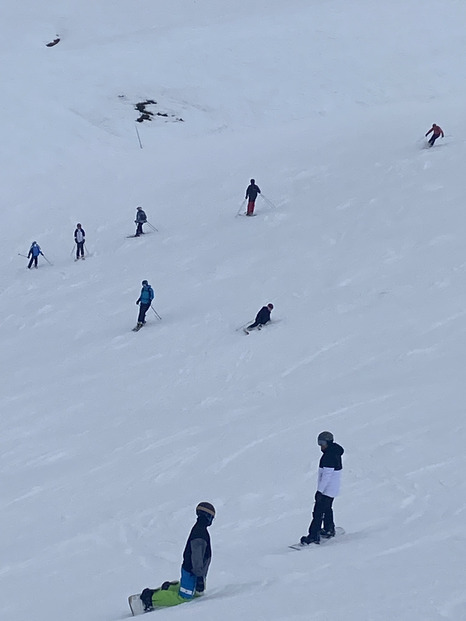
(318, 496)
(200, 586)
(137, 302)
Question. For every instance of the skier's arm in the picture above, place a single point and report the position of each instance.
(198, 548)
(325, 476)
(430, 130)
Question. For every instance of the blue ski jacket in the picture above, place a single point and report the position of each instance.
(146, 296)
(34, 251)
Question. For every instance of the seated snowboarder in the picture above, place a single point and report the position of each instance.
(262, 317)
(196, 560)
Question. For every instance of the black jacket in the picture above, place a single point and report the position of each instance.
(198, 553)
(263, 316)
(141, 217)
(252, 191)
(331, 457)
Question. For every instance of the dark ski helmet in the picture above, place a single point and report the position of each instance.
(270, 306)
(324, 438)
(139, 208)
(144, 282)
(206, 510)
(253, 181)
(78, 225)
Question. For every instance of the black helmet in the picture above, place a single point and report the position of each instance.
(253, 181)
(324, 438)
(206, 510)
(144, 282)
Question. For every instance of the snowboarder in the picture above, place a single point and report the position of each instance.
(33, 254)
(436, 131)
(141, 219)
(79, 238)
(144, 300)
(251, 194)
(196, 560)
(328, 486)
(262, 317)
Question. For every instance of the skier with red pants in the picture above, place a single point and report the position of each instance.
(436, 132)
(251, 194)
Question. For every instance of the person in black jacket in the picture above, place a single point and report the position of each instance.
(196, 561)
(79, 238)
(262, 317)
(328, 486)
(141, 219)
(251, 194)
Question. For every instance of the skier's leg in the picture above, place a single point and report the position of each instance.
(30, 263)
(252, 326)
(250, 210)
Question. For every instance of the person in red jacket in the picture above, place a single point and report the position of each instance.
(436, 131)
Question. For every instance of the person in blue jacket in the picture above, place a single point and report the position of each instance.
(33, 254)
(144, 300)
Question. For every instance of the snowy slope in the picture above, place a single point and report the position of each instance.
(110, 438)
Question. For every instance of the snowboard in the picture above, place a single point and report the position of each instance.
(135, 604)
(323, 541)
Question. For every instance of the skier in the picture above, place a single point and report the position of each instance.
(144, 300)
(196, 560)
(262, 317)
(328, 486)
(251, 194)
(141, 219)
(436, 131)
(34, 252)
(79, 238)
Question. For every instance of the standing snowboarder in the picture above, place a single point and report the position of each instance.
(436, 131)
(328, 487)
(144, 300)
(33, 254)
(141, 219)
(196, 560)
(79, 238)
(262, 317)
(251, 194)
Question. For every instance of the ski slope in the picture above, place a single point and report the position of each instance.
(110, 438)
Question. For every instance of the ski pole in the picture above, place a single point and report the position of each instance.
(241, 207)
(139, 137)
(46, 259)
(23, 255)
(269, 202)
(152, 226)
(156, 313)
(72, 250)
(87, 251)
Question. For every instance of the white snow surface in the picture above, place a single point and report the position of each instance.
(110, 438)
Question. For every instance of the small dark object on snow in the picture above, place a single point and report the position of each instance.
(52, 43)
